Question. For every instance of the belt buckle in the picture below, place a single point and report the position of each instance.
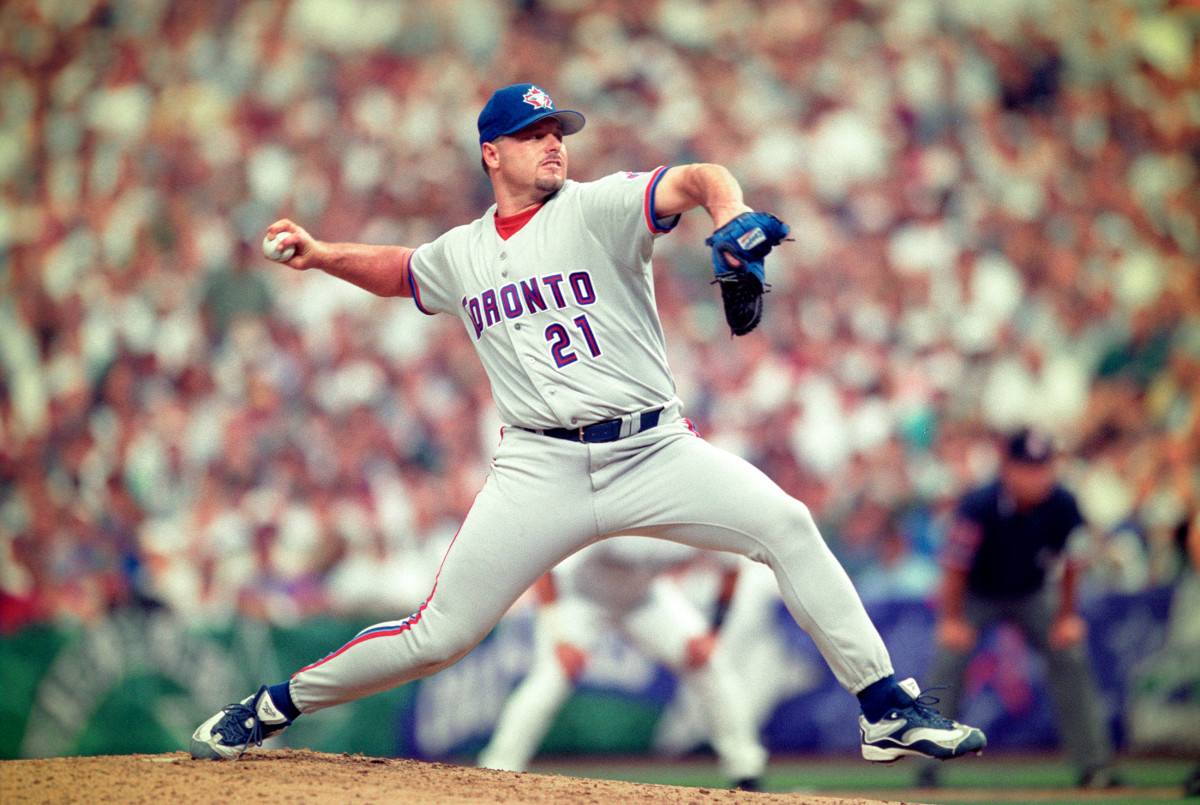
(582, 438)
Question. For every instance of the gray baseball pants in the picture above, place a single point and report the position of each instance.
(1073, 692)
(546, 498)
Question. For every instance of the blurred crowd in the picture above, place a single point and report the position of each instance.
(996, 217)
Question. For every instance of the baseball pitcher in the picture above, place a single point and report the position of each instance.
(554, 287)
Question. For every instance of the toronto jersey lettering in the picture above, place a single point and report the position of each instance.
(562, 313)
(528, 297)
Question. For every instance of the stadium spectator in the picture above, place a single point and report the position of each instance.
(998, 215)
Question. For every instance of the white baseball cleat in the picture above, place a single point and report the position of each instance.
(917, 729)
(228, 734)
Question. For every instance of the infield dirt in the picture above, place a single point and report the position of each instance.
(302, 777)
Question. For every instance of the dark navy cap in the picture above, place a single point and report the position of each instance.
(515, 107)
(1030, 446)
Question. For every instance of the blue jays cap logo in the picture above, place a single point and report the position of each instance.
(538, 99)
(512, 108)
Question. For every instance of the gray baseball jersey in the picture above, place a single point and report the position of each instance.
(565, 340)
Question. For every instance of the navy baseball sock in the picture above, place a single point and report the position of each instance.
(283, 700)
(879, 697)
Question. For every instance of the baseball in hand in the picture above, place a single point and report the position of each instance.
(273, 252)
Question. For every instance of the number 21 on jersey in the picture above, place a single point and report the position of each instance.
(560, 341)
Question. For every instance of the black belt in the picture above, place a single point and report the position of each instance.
(607, 431)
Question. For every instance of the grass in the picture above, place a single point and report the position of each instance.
(1009, 779)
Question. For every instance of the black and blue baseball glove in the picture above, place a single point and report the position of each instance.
(738, 249)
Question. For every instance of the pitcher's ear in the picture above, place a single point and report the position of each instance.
(489, 157)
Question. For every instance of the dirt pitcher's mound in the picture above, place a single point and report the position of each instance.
(302, 777)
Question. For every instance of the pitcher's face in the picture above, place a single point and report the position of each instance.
(535, 156)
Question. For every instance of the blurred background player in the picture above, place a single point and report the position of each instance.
(770, 667)
(1011, 539)
(623, 583)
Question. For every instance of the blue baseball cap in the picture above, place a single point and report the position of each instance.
(1030, 446)
(515, 107)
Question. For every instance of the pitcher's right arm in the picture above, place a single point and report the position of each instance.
(382, 270)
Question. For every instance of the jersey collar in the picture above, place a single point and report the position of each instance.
(509, 225)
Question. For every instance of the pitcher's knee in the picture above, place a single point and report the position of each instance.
(801, 517)
(796, 522)
(443, 650)
(791, 531)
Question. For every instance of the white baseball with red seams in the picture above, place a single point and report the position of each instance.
(272, 251)
(563, 316)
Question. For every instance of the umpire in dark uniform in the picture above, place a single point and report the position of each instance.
(1007, 559)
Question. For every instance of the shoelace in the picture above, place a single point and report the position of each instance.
(924, 706)
(233, 729)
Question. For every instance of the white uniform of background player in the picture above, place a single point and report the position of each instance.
(623, 584)
(554, 287)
